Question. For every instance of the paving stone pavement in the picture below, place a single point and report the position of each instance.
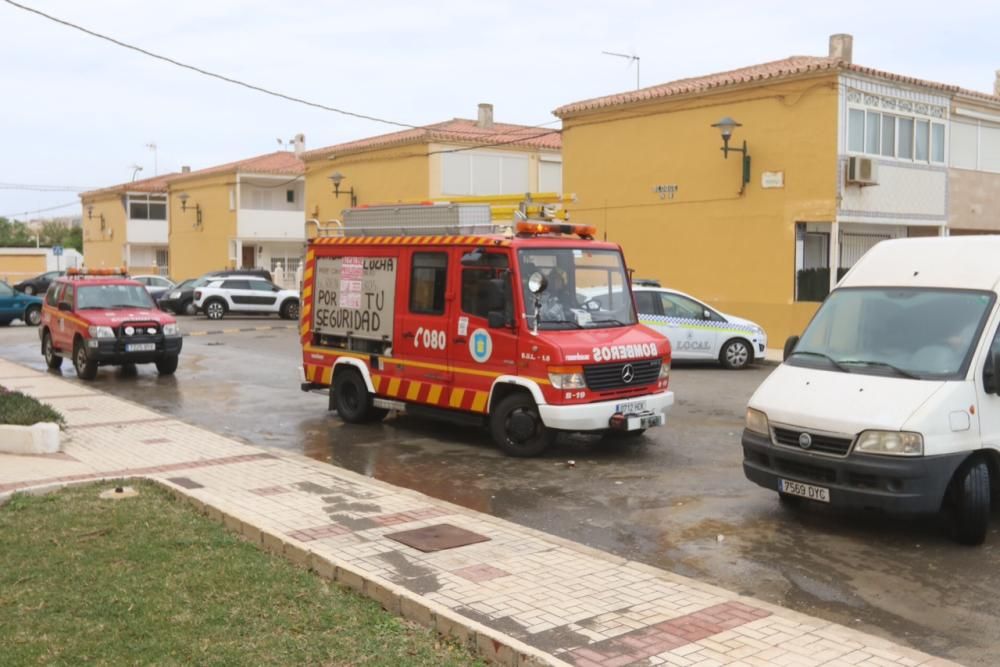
(521, 597)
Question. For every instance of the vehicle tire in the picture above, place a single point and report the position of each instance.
(290, 310)
(52, 360)
(188, 308)
(970, 495)
(517, 428)
(86, 368)
(167, 365)
(215, 309)
(736, 354)
(33, 316)
(350, 398)
(29, 290)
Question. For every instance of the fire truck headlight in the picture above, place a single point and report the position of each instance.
(567, 377)
(171, 329)
(101, 332)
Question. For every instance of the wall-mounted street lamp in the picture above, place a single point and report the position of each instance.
(337, 178)
(100, 216)
(197, 209)
(726, 127)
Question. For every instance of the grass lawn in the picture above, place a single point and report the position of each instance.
(23, 410)
(148, 580)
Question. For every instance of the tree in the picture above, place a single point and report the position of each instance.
(15, 234)
(57, 233)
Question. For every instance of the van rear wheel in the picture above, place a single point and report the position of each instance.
(517, 428)
(350, 398)
(970, 505)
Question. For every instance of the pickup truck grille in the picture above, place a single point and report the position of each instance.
(602, 377)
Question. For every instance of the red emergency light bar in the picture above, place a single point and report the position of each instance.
(535, 227)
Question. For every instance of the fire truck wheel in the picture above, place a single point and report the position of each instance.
(517, 427)
(351, 400)
(86, 369)
(52, 360)
(215, 309)
(166, 365)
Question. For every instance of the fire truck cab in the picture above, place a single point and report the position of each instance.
(425, 309)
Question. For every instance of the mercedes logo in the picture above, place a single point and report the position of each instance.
(628, 374)
(805, 441)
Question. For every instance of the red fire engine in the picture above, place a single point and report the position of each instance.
(424, 309)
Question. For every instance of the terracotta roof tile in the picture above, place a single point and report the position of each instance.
(152, 184)
(279, 162)
(457, 130)
(778, 69)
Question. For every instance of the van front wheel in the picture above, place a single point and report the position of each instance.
(971, 502)
(517, 427)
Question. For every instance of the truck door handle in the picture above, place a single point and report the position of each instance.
(408, 334)
(459, 340)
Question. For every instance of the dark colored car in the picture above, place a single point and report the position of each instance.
(17, 306)
(180, 299)
(39, 284)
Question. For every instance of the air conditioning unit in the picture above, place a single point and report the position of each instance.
(862, 171)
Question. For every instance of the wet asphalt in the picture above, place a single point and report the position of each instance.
(675, 499)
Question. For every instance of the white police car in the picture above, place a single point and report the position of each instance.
(698, 331)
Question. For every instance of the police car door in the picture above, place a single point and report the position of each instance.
(691, 334)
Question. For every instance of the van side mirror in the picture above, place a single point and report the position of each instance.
(991, 374)
(789, 347)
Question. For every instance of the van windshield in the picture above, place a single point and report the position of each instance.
(585, 289)
(918, 333)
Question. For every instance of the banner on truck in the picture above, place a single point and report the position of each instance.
(356, 296)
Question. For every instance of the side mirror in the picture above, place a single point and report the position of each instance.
(790, 347)
(65, 307)
(537, 283)
(496, 319)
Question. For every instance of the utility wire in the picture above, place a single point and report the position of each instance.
(222, 77)
(36, 187)
(41, 210)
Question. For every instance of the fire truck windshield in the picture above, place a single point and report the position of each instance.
(584, 288)
(101, 297)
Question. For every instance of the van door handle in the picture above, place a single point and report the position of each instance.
(408, 334)
(459, 340)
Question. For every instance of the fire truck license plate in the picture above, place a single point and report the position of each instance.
(632, 408)
(804, 490)
(140, 347)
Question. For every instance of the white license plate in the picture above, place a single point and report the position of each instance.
(631, 408)
(140, 347)
(804, 490)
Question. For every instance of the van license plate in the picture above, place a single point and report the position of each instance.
(140, 347)
(631, 408)
(804, 490)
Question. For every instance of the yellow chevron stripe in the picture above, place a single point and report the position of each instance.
(393, 387)
(479, 402)
(434, 395)
(456, 398)
(328, 375)
(413, 391)
(376, 382)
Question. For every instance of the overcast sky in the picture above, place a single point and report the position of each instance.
(79, 111)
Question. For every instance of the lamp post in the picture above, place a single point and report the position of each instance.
(726, 127)
(337, 178)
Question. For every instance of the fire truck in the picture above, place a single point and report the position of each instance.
(433, 310)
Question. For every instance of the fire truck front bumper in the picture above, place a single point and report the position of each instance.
(619, 415)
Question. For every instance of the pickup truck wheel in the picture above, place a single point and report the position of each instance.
(290, 310)
(33, 316)
(350, 398)
(52, 360)
(86, 369)
(188, 308)
(167, 365)
(970, 490)
(517, 428)
(736, 354)
(215, 309)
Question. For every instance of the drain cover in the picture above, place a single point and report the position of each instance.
(437, 538)
(186, 482)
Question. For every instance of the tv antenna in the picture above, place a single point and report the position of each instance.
(632, 58)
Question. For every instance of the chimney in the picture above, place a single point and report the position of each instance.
(996, 84)
(185, 169)
(842, 47)
(485, 116)
(300, 144)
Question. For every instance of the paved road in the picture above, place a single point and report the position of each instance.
(677, 500)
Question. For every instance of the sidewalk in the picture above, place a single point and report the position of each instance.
(519, 596)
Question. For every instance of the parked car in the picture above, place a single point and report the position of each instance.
(102, 318)
(39, 284)
(17, 306)
(180, 299)
(155, 285)
(245, 294)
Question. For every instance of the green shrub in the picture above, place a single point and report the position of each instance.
(23, 410)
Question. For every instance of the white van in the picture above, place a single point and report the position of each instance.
(891, 397)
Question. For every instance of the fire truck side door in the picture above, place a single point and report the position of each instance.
(422, 339)
(485, 287)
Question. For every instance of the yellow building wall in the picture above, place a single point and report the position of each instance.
(378, 177)
(195, 250)
(737, 252)
(104, 239)
(15, 268)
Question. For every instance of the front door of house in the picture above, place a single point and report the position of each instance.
(249, 257)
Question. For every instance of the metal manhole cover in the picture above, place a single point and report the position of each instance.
(438, 537)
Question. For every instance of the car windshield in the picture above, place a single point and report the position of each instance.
(574, 278)
(112, 296)
(918, 333)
